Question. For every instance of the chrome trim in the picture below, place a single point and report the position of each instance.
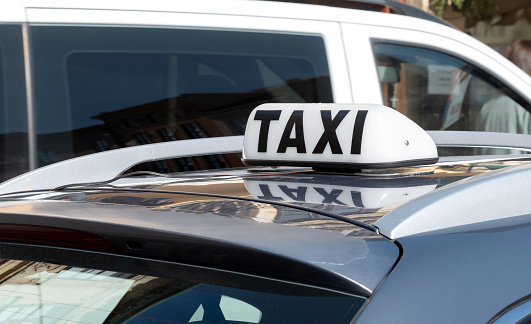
(108, 165)
(30, 104)
(453, 160)
(481, 139)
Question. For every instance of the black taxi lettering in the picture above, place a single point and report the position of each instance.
(357, 133)
(295, 121)
(267, 195)
(297, 194)
(266, 116)
(329, 134)
(330, 197)
(356, 199)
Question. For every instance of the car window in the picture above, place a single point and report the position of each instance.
(39, 292)
(101, 88)
(442, 92)
(13, 116)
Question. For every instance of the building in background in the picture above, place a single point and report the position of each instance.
(498, 23)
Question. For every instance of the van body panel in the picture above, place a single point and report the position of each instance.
(67, 77)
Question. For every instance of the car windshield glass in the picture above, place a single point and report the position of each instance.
(38, 292)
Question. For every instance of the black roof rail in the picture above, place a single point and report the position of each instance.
(389, 6)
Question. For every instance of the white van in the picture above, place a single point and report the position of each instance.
(78, 77)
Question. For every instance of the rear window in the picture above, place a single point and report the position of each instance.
(39, 292)
(102, 88)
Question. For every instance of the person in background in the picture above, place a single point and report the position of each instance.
(501, 113)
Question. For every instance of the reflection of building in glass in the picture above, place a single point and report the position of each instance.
(13, 154)
(189, 116)
(196, 114)
(177, 119)
(44, 292)
(180, 118)
(165, 120)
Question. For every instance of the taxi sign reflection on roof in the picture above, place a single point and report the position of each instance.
(356, 192)
(335, 136)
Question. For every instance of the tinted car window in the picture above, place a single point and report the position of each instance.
(40, 292)
(100, 88)
(13, 116)
(441, 92)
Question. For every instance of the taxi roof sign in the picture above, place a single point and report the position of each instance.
(335, 136)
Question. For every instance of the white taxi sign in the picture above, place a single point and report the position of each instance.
(332, 136)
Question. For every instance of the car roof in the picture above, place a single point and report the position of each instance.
(147, 222)
(391, 6)
(338, 227)
(22, 10)
(234, 213)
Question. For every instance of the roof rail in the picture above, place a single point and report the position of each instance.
(481, 139)
(391, 6)
(109, 164)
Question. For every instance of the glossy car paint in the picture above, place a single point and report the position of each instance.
(466, 276)
(223, 223)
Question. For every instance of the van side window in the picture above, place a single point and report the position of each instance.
(13, 113)
(441, 92)
(128, 86)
